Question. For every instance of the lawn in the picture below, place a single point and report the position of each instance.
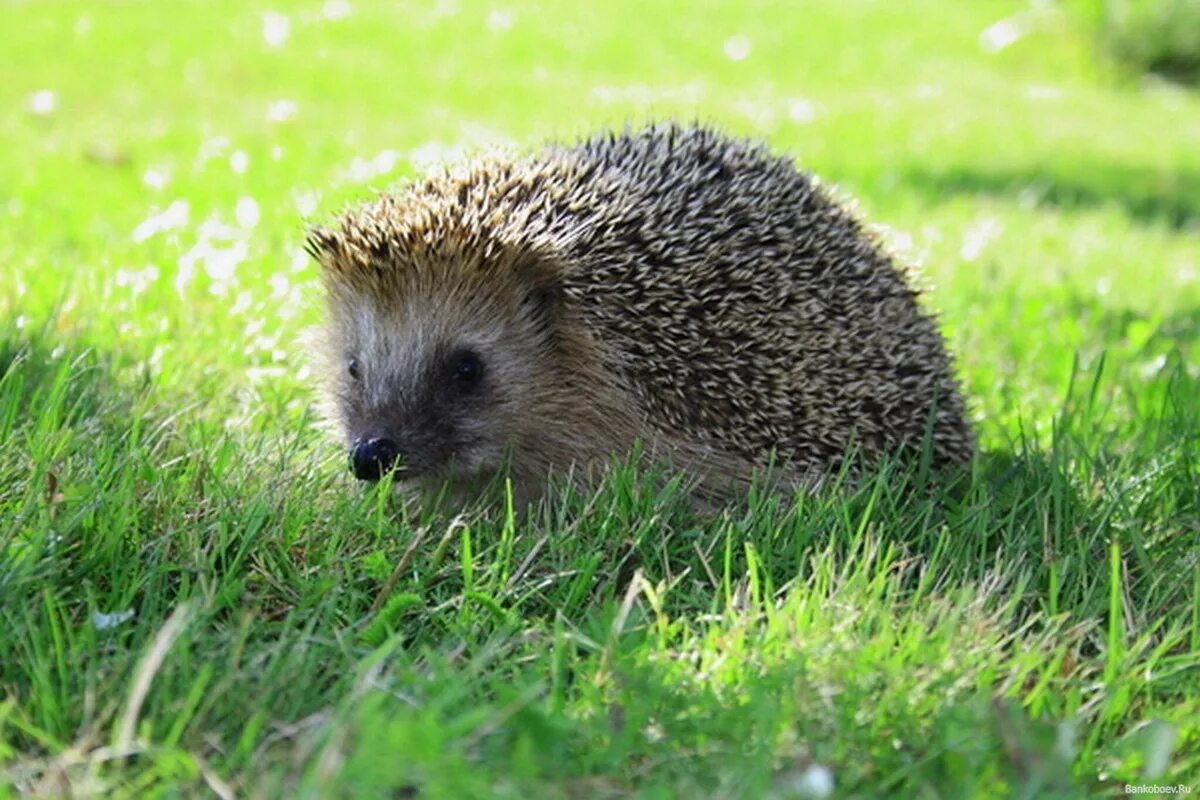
(196, 599)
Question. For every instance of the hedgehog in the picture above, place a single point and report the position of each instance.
(669, 291)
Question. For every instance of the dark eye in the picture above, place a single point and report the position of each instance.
(354, 369)
(468, 369)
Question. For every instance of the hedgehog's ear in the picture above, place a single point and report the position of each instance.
(541, 304)
(543, 290)
(321, 244)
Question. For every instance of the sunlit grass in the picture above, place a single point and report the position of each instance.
(195, 597)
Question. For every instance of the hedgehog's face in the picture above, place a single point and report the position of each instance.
(438, 385)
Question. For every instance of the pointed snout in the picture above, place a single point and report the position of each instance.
(370, 459)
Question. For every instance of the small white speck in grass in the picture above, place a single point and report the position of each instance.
(185, 274)
(256, 374)
(1154, 368)
(138, 280)
(243, 303)
(279, 284)
(42, 103)
(260, 343)
(156, 177)
(299, 261)
(281, 110)
(104, 622)
(1103, 285)
(213, 228)
(306, 202)
(246, 212)
(501, 20)
(239, 162)
(1036, 92)
(335, 10)
(1030, 196)
(654, 733)
(978, 236)
(276, 28)
(156, 358)
(816, 781)
(801, 111)
(21, 322)
(737, 48)
(813, 783)
(221, 263)
(1000, 35)
(84, 25)
(171, 218)
(210, 148)
(219, 250)
(365, 169)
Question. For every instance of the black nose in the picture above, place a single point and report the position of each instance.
(370, 458)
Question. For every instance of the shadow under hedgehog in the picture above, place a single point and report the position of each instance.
(671, 291)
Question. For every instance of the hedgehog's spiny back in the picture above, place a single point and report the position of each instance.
(752, 311)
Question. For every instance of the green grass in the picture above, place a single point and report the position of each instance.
(1032, 631)
(1156, 36)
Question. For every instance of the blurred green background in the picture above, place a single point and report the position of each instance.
(1036, 635)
